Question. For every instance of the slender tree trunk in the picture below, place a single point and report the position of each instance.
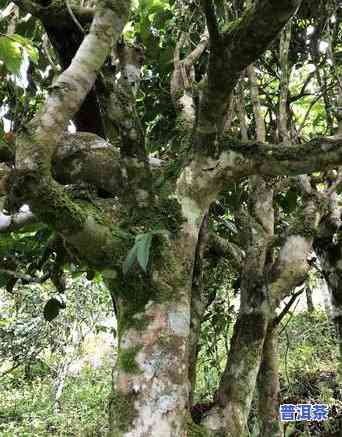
(309, 300)
(198, 305)
(240, 106)
(268, 386)
(233, 399)
(330, 255)
(259, 119)
(285, 39)
(268, 379)
(239, 378)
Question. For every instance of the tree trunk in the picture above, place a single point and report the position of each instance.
(309, 300)
(151, 387)
(239, 379)
(268, 386)
(330, 256)
(233, 399)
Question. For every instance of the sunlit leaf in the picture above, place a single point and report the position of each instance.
(10, 54)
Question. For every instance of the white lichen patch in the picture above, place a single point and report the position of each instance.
(186, 102)
(161, 411)
(192, 213)
(167, 402)
(228, 159)
(213, 421)
(47, 120)
(295, 250)
(180, 322)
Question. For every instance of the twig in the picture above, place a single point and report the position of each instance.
(278, 319)
(24, 277)
(56, 68)
(72, 15)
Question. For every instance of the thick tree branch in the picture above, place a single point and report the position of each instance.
(227, 249)
(318, 154)
(183, 78)
(243, 42)
(205, 177)
(117, 101)
(27, 278)
(197, 51)
(56, 14)
(32, 182)
(292, 265)
(209, 11)
(70, 89)
(85, 158)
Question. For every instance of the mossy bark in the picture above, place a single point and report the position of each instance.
(237, 386)
(268, 387)
(153, 330)
(330, 256)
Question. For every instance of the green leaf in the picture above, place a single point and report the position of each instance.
(130, 258)
(27, 45)
(143, 249)
(77, 274)
(10, 54)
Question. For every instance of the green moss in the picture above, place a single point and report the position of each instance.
(165, 214)
(121, 412)
(303, 225)
(135, 289)
(196, 430)
(126, 359)
(183, 133)
(47, 199)
(132, 292)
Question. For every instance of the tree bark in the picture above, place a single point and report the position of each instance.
(151, 380)
(330, 256)
(268, 386)
(236, 390)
